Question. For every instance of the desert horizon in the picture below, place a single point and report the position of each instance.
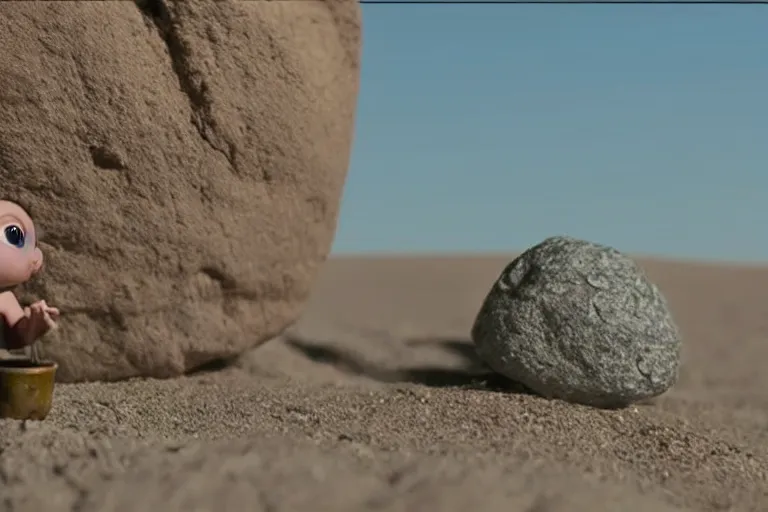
(641, 257)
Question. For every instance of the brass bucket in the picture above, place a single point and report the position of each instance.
(26, 388)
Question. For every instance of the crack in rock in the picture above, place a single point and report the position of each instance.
(192, 85)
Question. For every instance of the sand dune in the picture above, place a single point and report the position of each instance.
(375, 401)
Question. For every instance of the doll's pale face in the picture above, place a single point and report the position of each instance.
(20, 258)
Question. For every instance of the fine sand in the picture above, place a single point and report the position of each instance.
(375, 401)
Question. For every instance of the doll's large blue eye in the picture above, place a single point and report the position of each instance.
(14, 236)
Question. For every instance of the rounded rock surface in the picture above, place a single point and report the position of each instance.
(579, 321)
(185, 159)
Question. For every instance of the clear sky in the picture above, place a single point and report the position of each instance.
(486, 128)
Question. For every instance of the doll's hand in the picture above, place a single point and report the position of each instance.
(42, 318)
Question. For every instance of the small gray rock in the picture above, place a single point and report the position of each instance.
(581, 322)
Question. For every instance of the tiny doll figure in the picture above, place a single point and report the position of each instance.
(20, 259)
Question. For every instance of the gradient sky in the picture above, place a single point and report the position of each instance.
(486, 128)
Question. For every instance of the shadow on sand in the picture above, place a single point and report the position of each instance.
(472, 373)
(214, 366)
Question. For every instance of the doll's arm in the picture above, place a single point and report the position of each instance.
(16, 321)
(10, 308)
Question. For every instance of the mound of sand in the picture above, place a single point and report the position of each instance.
(375, 401)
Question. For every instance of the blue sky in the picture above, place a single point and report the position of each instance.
(487, 128)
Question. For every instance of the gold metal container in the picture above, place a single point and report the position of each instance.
(26, 388)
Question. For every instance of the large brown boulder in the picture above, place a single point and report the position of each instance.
(186, 160)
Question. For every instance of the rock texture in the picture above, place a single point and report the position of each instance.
(186, 160)
(579, 321)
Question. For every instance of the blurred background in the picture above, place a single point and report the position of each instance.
(486, 128)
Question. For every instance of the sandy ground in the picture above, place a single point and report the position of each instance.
(375, 401)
